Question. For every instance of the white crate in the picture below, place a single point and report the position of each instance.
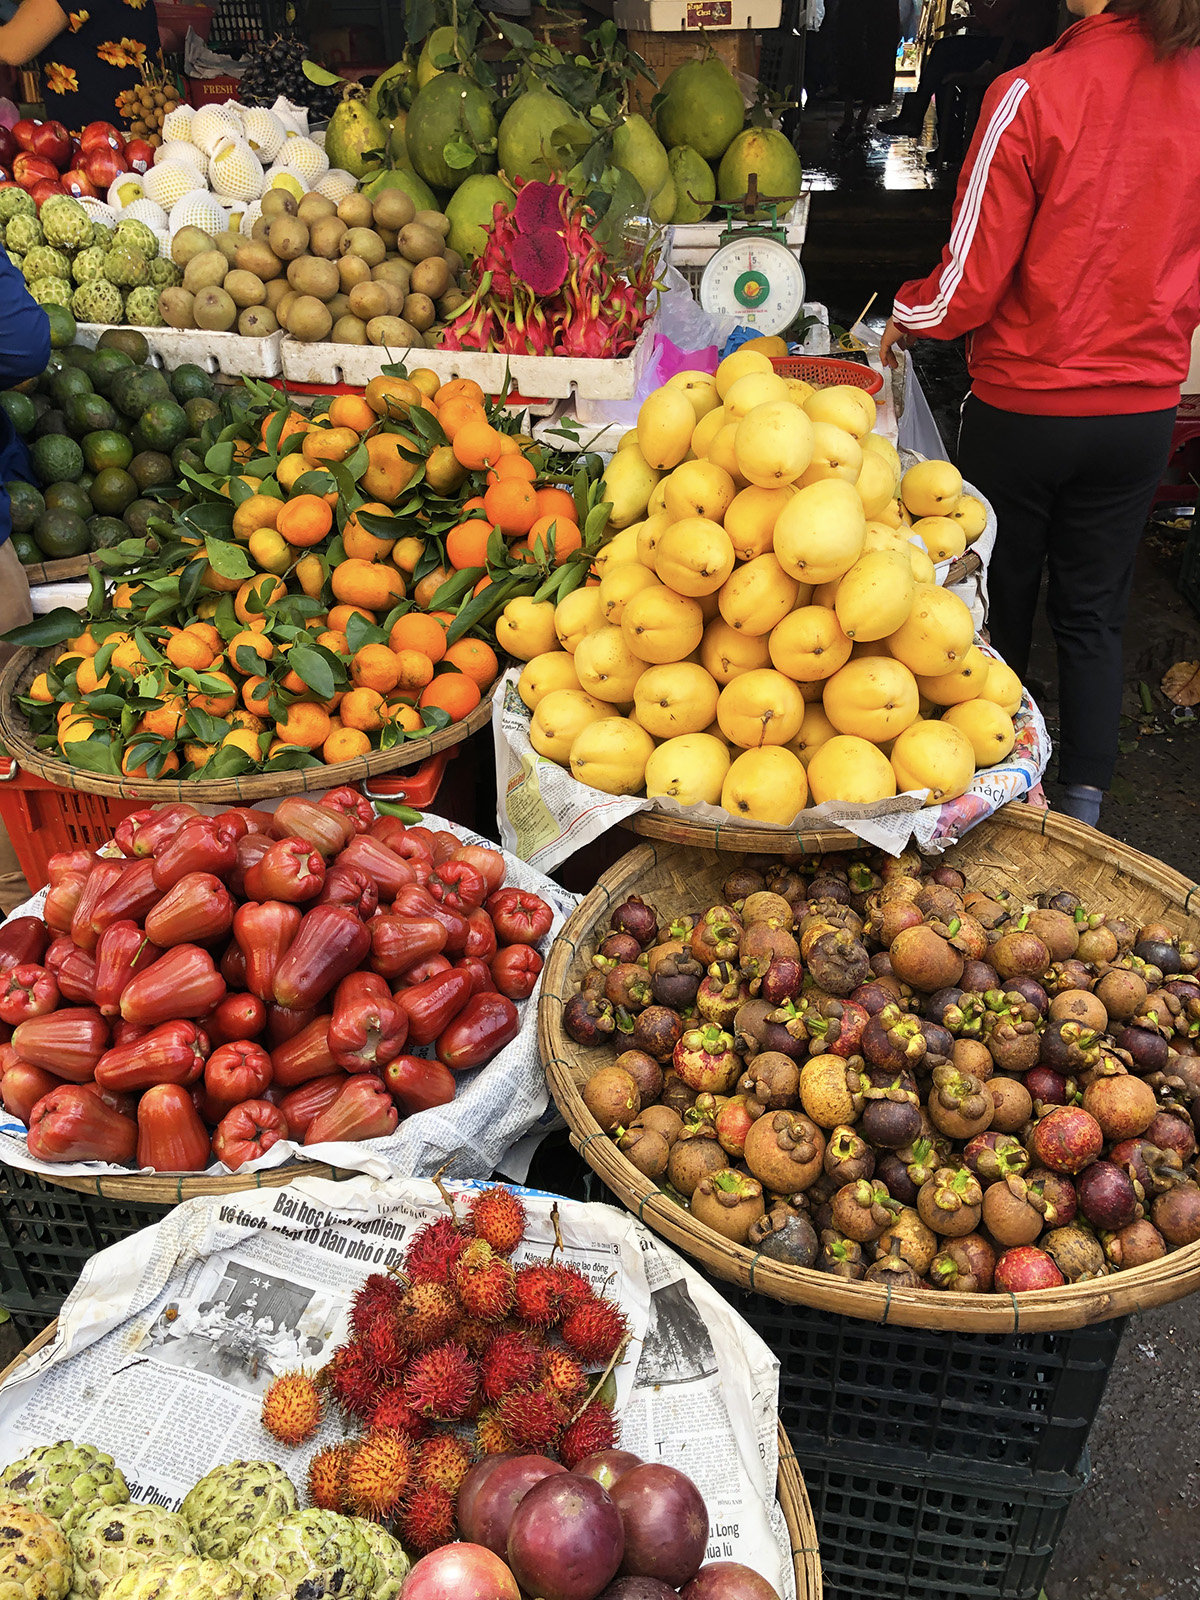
(229, 353)
(689, 16)
(534, 377)
(693, 244)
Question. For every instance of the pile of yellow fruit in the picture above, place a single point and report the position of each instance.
(765, 631)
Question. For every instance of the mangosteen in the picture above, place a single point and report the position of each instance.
(1069, 1047)
(1121, 992)
(594, 981)
(1159, 953)
(891, 1119)
(1010, 1031)
(694, 1158)
(678, 930)
(1152, 1169)
(675, 981)
(893, 1174)
(1048, 1088)
(620, 947)
(628, 986)
(1015, 1212)
(1135, 1245)
(827, 887)
(890, 919)
(1061, 977)
(939, 1045)
(848, 1157)
(978, 977)
(877, 994)
(788, 884)
(881, 965)
(733, 1119)
(950, 1201)
(991, 913)
(784, 1234)
(922, 1158)
(964, 1266)
(1107, 1197)
(1176, 1214)
(939, 903)
(677, 1095)
(1066, 1139)
(893, 1270)
(704, 1057)
(862, 1210)
(646, 1149)
(892, 1040)
(958, 1105)
(729, 1204)
(782, 980)
(973, 1057)
(831, 1090)
(1173, 1130)
(925, 959)
(1076, 1252)
(838, 962)
(1148, 1051)
(634, 916)
(740, 883)
(836, 1027)
(611, 1096)
(587, 1019)
(1058, 932)
(656, 1032)
(993, 1156)
(1079, 1005)
(911, 1239)
(1123, 1105)
(1097, 946)
(935, 1007)
(1057, 1190)
(662, 1119)
(950, 877)
(722, 994)
(771, 1080)
(717, 936)
(761, 944)
(841, 1257)
(784, 1151)
(645, 1072)
(1031, 991)
(767, 907)
(1012, 1102)
(1019, 953)
(1060, 900)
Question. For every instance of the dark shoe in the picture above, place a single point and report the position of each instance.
(906, 127)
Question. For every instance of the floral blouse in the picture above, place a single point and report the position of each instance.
(99, 54)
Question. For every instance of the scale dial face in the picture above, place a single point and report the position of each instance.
(757, 280)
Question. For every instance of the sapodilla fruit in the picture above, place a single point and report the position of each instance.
(629, 481)
(727, 652)
(936, 757)
(611, 756)
(966, 682)
(931, 488)
(754, 390)
(809, 644)
(576, 615)
(659, 625)
(937, 633)
(751, 518)
(815, 730)
(690, 769)
(773, 443)
(942, 537)
(619, 584)
(989, 729)
(835, 454)
(971, 514)
(700, 388)
(1002, 686)
(674, 699)
(559, 717)
(607, 667)
(875, 597)
(819, 533)
(876, 484)
(552, 670)
(694, 556)
(757, 595)
(767, 785)
(844, 405)
(761, 707)
(665, 424)
(850, 769)
(872, 697)
(698, 489)
(649, 533)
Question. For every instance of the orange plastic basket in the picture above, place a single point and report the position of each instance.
(41, 819)
(824, 371)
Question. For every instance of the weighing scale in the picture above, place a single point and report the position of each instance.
(753, 275)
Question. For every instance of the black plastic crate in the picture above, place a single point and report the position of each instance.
(887, 1534)
(239, 25)
(911, 1397)
(48, 1233)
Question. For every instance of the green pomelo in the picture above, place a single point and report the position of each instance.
(662, 207)
(397, 144)
(638, 149)
(387, 96)
(470, 211)
(105, 532)
(766, 152)
(56, 459)
(190, 382)
(106, 448)
(695, 185)
(129, 340)
(703, 108)
(529, 124)
(422, 195)
(85, 413)
(448, 105)
(439, 43)
(62, 326)
(352, 132)
(112, 491)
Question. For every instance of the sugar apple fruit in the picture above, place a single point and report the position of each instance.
(51, 291)
(35, 1558)
(16, 203)
(391, 1561)
(136, 236)
(165, 274)
(102, 234)
(22, 232)
(98, 301)
(112, 1540)
(43, 261)
(64, 1481)
(126, 268)
(180, 1578)
(88, 265)
(67, 224)
(233, 1501)
(141, 308)
(310, 1555)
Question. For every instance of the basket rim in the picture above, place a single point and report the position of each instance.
(57, 571)
(14, 733)
(168, 1188)
(1071, 1306)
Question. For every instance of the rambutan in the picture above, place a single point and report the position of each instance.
(594, 1429)
(327, 1477)
(499, 1218)
(475, 1333)
(378, 1474)
(426, 1314)
(427, 1520)
(484, 1282)
(492, 1438)
(595, 1331)
(354, 1384)
(444, 1459)
(511, 1361)
(384, 1348)
(441, 1383)
(392, 1410)
(378, 1296)
(534, 1418)
(291, 1408)
(574, 1288)
(537, 1297)
(433, 1250)
(564, 1376)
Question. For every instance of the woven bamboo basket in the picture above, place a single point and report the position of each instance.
(17, 739)
(1018, 848)
(169, 1188)
(675, 828)
(789, 1487)
(57, 571)
(966, 564)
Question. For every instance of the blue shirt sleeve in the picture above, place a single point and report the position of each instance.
(24, 328)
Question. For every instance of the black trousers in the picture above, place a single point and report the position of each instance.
(1073, 492)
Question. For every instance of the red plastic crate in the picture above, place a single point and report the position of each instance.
(206, 91)
(824, 371)
(416, 786)
(41, 819)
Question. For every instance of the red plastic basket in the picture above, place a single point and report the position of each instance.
(41, 819)
(824, 371)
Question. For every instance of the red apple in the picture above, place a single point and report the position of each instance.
(8, 147)
(139, 155)
(101, 133)
(78, 183)
(51, 139)
(29, 169)
(103, 166)
(43, 189)
(23, 132)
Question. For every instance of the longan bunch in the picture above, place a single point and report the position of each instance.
(146, 107)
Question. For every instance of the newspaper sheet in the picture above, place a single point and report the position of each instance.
(170, 1338)
(495, 1106)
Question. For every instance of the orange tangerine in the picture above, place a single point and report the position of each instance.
(187, 648)
(305, 724)
(404, 716)
(165, 720)
(475, 659)
(426, 380)
(207, 632)
(460, 388)
(375, 667)
(339, 616)
(367, 583)
(128, 658)
(291, 468)
(362, 545)
(351, 411)
(413, 670)
(266, 589)
(305, 520)
(270, 549)
(559, 530)
(328, 444)
(294, 422)
(259, 511)
(509, 446)
(216, 704)
(389, 396)
(255, 696)
(453, 692)
(407, 552)
(83, 644)
(252, 640)
(362, 709)
(415, 630)
(170, 763)
(244, 739)
(474, 504)
(333, 640)
(389, 471)
(512, 506)
(310, 574)
(245, 719)
(553, 502)
(344, 744)
(39, 690)
(483, 584)
(466, 545)
(512, 466)
(477, 444)
(215, 583)
(429, 585)
(86, 680)
(460, 413)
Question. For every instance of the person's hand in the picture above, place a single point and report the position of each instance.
(894, 338)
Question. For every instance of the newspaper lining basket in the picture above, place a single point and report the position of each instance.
(793, 1497)
(1019, 848)
(15, 734)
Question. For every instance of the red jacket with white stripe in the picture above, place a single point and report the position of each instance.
(1074, 258)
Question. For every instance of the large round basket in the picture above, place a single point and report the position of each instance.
(15, 734)
(1018, 849)
(57, 571)
(169, 1188)
(789, 1487)
(676, 828)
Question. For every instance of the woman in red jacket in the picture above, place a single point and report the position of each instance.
(1074, 267)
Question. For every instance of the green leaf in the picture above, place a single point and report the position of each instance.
(356, 462)
(55, 627)
(248, 661)
(228, 560)
(478, 606)
(228, 762)
(457, 153)
(93, 755)
(289, 758)
(104, 705)
(211, 518)
(595, 523)
(124, 555)
(360, 632)
(436, 717)
(427, 425)
(312, 666)
(95, 603)
(207, 728)
(219, 460)
(452, 591)
(391, 808)
(381, 527)
(319, 75)
(190, 580)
